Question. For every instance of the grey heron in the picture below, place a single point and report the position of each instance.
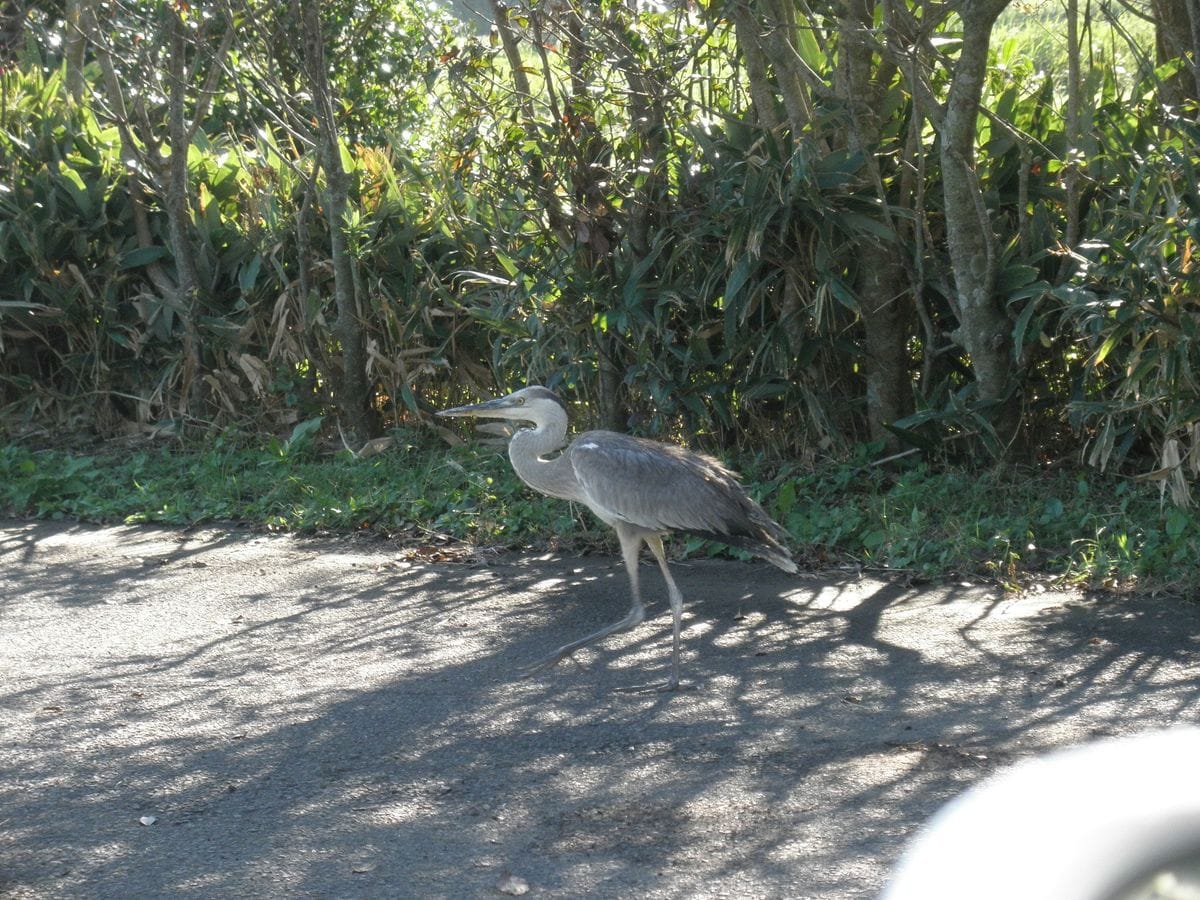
(643, 489)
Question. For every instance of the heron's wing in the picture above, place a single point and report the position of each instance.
(660, 487)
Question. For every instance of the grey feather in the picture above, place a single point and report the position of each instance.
(665, 488)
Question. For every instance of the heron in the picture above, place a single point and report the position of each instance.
(641, 488)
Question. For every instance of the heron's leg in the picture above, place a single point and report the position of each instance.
(654, 542)
(631, 542)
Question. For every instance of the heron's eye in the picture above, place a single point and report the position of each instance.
(520, 401)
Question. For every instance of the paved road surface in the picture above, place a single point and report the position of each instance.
(320, 718)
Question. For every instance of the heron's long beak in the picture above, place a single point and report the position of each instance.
(491, 409)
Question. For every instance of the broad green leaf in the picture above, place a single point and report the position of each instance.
(142, 256)
(73, 182)
(305, 430)
(1013, 277)
(249, 274)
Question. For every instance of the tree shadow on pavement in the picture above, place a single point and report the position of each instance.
(340, 723)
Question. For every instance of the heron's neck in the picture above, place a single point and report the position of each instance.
(527, 450)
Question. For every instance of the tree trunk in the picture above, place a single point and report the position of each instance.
(1194, 24)
(888, 316)
(1177, 36)
(984, 330)
(141, 150)
(353, 391)
(747, 31)
(132, 157)
(541, 185)
(75, 47)
(178, 207)
(613, 412)
(769, 31)
(885, 303)
(1074, 139)
(12, 32)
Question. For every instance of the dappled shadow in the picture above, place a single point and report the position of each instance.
(32, 545)
(346, 723)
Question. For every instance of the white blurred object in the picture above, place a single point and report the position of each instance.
(1089, 823)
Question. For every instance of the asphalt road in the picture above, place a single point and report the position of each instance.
(224, 714)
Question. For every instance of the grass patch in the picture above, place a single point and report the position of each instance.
(467, 494)
(1006, 524)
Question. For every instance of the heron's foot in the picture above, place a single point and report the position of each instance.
(545, 665)
(668, 686)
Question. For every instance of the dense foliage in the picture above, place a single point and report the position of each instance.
(730, 224)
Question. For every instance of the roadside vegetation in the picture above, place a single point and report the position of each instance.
(926, 274)
(1016, 526)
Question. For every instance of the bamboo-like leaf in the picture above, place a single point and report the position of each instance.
(736, 281)
(142, 256)
(1022, 325)
(1117, 335)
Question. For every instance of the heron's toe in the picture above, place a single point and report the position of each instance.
(669, 686)
(544, 665)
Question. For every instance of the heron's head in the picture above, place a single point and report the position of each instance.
(531, 404)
